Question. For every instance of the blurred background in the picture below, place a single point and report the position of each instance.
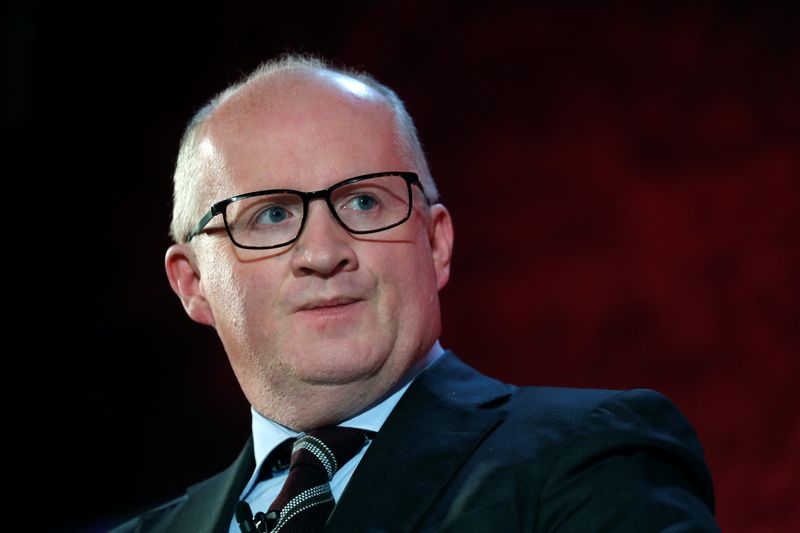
(624, 179)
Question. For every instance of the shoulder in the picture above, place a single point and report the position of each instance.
(570, 423)
(555, 425)
(636, 410)
(612, 457)
(205, 506)
(563, 410)
(586, 460)
(643, 415)
(156, 519)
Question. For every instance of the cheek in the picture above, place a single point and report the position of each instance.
(254, 290)
(238, 296)
(407, 283)
(225, 299)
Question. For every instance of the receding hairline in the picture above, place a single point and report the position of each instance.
(191, 189)
(286, 68)
(258, 89)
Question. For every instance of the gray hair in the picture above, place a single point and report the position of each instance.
(191, 186)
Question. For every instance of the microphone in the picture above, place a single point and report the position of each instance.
(244, 517)
(263, 522)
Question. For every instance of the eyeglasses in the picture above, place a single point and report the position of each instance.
(269, 219)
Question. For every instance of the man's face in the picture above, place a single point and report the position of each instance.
(332, 309)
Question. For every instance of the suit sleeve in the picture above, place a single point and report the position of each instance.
(635, 466)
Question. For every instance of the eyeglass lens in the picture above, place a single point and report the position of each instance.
(363, 206)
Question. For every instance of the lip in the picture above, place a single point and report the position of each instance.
(328, 304)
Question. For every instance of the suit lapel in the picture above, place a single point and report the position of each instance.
(209, 506)
(432, 431)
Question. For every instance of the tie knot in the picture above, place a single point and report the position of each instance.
(328, 447)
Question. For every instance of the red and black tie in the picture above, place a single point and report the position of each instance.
(305, 502)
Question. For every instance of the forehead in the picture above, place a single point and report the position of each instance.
(304, 129)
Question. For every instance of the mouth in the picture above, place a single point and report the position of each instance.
(328, 304)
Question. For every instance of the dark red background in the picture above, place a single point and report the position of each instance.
(625, 183)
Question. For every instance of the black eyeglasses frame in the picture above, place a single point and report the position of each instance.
(411, 178)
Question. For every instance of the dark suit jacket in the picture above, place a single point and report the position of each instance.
(462, 452)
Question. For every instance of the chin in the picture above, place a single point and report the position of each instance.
(335, 369)
(335, 375)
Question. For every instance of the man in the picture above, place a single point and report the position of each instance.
(327, 306)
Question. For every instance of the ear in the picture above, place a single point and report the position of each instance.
(441, 242)
(184, 278)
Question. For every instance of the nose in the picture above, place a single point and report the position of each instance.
(324, 247)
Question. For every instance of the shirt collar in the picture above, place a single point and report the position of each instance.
(268, 434)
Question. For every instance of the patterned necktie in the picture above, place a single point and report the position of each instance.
(305, 501)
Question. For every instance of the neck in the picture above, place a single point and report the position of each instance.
(313, 406)
(306, 406)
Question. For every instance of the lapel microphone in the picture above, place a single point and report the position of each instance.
(262, 523)
(244, 517)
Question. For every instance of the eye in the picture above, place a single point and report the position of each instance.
(274, 214)
(362, 202)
